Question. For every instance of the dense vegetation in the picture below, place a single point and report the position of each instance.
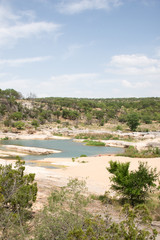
(66, 216)
(35, 111)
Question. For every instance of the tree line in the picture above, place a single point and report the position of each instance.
(13, 108)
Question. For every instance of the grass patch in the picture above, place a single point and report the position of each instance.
(94, 143)
(131, 151)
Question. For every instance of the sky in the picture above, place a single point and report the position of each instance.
(80, 48)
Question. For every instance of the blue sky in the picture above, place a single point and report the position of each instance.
(80, 48)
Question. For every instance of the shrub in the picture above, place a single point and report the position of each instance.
(133, 121)
(19, 125)
(7, 123)
(17, 193)
(65, 210)
(97, 228)
(132, 186)
(16, 116)
(119, 127)
(65, 218)
(35, 123)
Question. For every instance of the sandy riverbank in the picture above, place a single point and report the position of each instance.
(91, 169)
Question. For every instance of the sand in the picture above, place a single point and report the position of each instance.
(91, 169)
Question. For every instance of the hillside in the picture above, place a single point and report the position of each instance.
(17, 112)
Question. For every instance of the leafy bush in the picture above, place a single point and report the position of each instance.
(146, 118)
(66, 210)
(119, 127)
(65, 218)
(132, 186)
(133, 121)
(16, 116)
(19, 125)
(7, 122)
(96, 228)
(35, 123)
(17, 193)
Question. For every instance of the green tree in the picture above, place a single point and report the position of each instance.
(19, 125)
(35, 123)
(16, 116)
(132, 186)
(57, 114)
(12, 93)
(133, 121)
(17, 194)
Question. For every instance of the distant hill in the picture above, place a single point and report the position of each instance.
(37, 111)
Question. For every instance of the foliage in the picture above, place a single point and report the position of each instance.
(65, 218)
(131, 151)
(64, 212)
(132, 186)
(102, 136)
(96, 228)
(35, 123)
(70, 114)
(17, 193)
(133, 121)
(119, 128)
(7, 123)
(146, 118)
(94, 143)
(19, 125)
(16, 116)
(88, 111)
(8, 93)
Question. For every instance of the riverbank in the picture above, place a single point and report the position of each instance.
(91, 169)
(141, 140)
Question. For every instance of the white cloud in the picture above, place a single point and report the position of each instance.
(138, 85)
(77, 6)
(17, 62)
(134, 65)
(22, 25)
(25, 30)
